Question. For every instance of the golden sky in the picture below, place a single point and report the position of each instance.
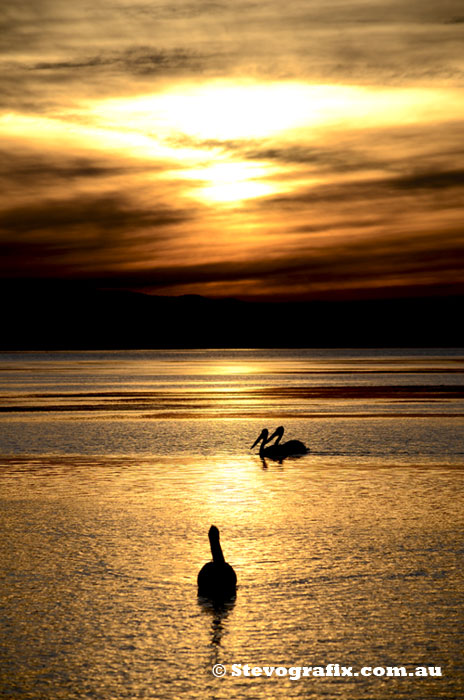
(297, 150)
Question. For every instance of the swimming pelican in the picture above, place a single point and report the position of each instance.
(277, 450)
(216, 579)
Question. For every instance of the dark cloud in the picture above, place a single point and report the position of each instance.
(114, 238)
(32, 169)
(339, 159)
(374, 189)
(429, 180)
(102, 212)
(84, 235)
(177, 11)
(342, 223)
(455, 20)
(368, 262)
(44, 86)
(136, 60)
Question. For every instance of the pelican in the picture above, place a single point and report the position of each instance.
(277, 450)
(216, 579)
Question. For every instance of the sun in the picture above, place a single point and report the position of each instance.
(229, 181)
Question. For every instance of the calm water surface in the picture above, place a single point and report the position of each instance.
(114, 465)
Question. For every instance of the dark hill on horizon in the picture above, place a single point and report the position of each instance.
(44, 316)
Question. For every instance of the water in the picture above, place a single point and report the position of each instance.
(114, 465)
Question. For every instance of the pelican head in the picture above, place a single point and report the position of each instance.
(278, 433)
(264, 436)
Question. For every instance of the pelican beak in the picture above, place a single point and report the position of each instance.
(258, 439)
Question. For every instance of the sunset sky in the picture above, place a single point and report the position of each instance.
(263, 150)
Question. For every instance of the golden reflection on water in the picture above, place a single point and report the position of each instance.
(335, 563)
(225, 368)
(350, 554)
(235, 383)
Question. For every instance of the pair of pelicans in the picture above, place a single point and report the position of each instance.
(217, 579)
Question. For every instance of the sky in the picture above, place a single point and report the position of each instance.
(298, 150)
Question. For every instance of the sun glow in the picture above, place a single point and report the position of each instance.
(231, 181)
(219, 111)
(207, 130)
(206, 135)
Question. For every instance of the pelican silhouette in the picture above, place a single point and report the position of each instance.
(216, 579)
(278, 451)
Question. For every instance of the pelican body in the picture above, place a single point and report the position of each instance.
(278, 450)
(216, 579)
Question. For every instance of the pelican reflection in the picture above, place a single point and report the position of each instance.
(219, 611)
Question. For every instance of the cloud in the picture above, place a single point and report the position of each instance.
(338, 159)
(459, 19)
(86, 235)
(34, 169)
(372, 262)
(135, 60)
(434, 180)
(374, 189)
(354, 207)
(109, 212)
(49, 41)
(177, 11)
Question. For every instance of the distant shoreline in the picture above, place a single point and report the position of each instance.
(72, 318)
